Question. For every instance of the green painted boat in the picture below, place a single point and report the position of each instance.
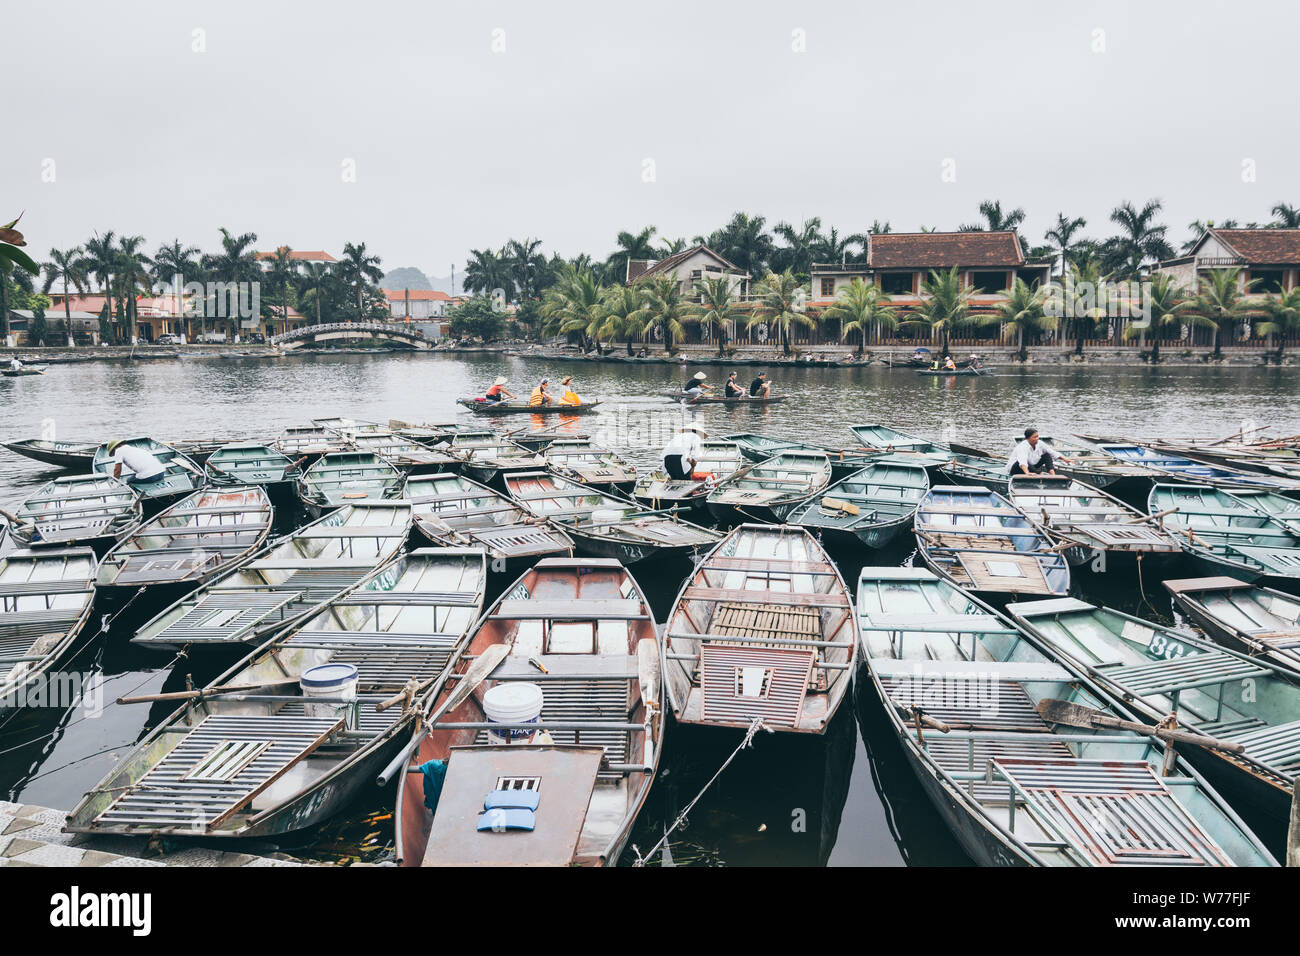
(1285, 511)
(771, 489)
(890, 441)
(1261, 622)
(844, 461)
(347, 477)
(93, 511)
(719, 458)
(402, 453)
(579, 460)
(961, 687)
(250, 463)
(486, 456)
(180, 475)
(881, 500)
(760, 447)
(1228, 536)
(309, 440)
(1154, 671)
(72, 455)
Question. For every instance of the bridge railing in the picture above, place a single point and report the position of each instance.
(311, 331)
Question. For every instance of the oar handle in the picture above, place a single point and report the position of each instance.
(398, 763)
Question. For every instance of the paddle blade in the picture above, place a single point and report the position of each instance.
(648, 673)
(1066, 713)
(483, 665)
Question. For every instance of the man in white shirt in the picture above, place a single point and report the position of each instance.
(681, 454)
(15, 364)
(142, 468)
(1033, 456)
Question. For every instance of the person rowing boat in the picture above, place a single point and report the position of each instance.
(497, 393)
(1033, 456)
(760, 387)
(695, 389)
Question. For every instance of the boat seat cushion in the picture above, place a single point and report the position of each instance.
(511, 800)
(500, 819)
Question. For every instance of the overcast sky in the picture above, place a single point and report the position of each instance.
(470, 123)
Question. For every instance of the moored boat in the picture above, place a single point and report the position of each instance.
(293, 732)
(309, 440)
(250, 463)
(402, 453)
(346, 477)
(966, 694)
(762, 630)
(86, 510)
(1166, 467)
(1261, 622)
(769, 490)
(72, 455)
(581, 461)
(485, 456)
(180, 475)
(536, 438)
(719, 460)
(285, 581)
(873, 506)
(577, 639)
(979, 540)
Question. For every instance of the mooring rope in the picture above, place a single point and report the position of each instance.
(754, 727)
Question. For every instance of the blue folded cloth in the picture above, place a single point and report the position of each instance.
(435, 772)
(499, 819)
(511, 800)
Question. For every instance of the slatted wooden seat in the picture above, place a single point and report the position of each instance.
(383, 661)
(533, 609)
(518, 540)
(971, 704)
(1276, 747)
(1183, 673)
(783, 676)
(222, 616)
(1113, 812)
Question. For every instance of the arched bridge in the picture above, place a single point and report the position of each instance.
(333, 331)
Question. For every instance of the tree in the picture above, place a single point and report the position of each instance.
(1140, 239)
(1169, 302)
(745, 243)
(717, 307)
(1288, 216)
(177, 259)
(488, 271)
(13, 262)
(1022, 309)
(945, 302)
(860, 307)
(1084, 296)
(134, 277)
(1283, 317)
(663, 308)
(101, 262)
(1061, 235)
(283, 273)
(797, 253)
(361, 271)
(576, 304)
(631, 245)
(68, 267)
(1220, 302)
(783, 304)
(235, 263)
(477, 316)
(624, 314)
(995, 220)
(311, 284)
(527, 265)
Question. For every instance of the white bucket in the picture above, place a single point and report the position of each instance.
(512, 702)
(604, 516)
(335, 681)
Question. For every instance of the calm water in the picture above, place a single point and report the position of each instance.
(847, 799)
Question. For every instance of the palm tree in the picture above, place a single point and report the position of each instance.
(717, 308)
(624, 314)
(1061, 235)
(1022, 309)
(745, 243)
(860, 307)
(1141, 239)
(134, 276)
(174, 259)
(576, 304)
(664, 308)
(312, 280)
(526, 265)
(1085, 309)
(360, 271)
(1283, 317)
(669, 247)
(782, 303)
(1169, 304)
(486, 271)
(797, 253)
(997, 221)
(236, 262)
(945, 303)
(631, 245)
(836, 248)
(283, 273)
(66, 266)
(101, 262)
(1288, 216)
(1220, 302)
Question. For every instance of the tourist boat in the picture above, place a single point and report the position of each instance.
(1225, 535)
(763, 630)
(982, 472)
(191, 542)
(969, 372)
(309, 440)
(285, 581)
(1106, 534)
(760, 447)
(980, 541)
(45, 602)
(25, 370)
(452, 510)
(771, 489)
(481, 407)
(1155, 671)
(581, 461)
(1260, 621)
(883, 440)
(580, 631)
(402, 453)
(872, 506)
(346, 477)
(536, 439)
(250, 463)
(1166, 467)
(603, 525)
(1127, 482)
(199, 450)
(718, 461)
(755, 401)
(1285, 511)
(181, 476)
(72, 455)
(485, 456)
(966, 692)
(844, 461)
(256, 754)
(85, 510)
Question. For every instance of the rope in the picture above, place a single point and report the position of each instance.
(1141, 589)
(754, 727)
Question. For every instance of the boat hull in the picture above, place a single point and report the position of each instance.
(71, 460)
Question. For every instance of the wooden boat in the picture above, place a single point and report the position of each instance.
(762, 630)
(479, 407)
(1227, 536)
(250, 463)
(720, 400)
(285, 581)
(1262, 622)
(718, 459)
(1285, 511)
(581, 461)
(485, 456)
(968, 372)
(770, 490)
(180, 475)
(252, 756)
(1155, 671)
(884, 440)
(1166, 467)
(192, 541)
(45, 603)
(88, 510)
(603, 525)
(962, 689)
(428, 434)
(346, 477)
(760, 447)
(199, 450)
(979, 540)
(25, 370)
(1130, 483)
(310, 440)
(452, 510)
(872, 506)
(1105, 532)
(962, 469)
(536, 438)
(72, 455)
(402, 453)
(844, 461)
(594, 751)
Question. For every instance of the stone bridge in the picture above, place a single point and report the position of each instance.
(333, 331)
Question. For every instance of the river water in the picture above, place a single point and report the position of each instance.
(846, 799)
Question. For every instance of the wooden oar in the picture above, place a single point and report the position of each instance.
(206, 691)
(483, 665)
(1154, 517)
(1077, 715)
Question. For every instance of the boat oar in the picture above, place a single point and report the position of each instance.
(1155, 517)
(1077, 715)
(483, 665)
(206, 691)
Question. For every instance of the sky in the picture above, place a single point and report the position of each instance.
(429, 129)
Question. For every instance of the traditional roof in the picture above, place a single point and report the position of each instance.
(638, 268)
(433, 295)
(1260, 246)
(302, 255)
(943, 250)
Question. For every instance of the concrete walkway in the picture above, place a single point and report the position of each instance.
(33, 836)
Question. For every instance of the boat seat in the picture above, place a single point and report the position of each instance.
(776, 599)
(938, 623)
(1183, 673)
(40, 588)
(1000, 705)
(1276, 747)
(596, 610)
(223, 616)
(1224, 728)
(365, 598)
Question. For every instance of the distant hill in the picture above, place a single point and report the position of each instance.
(443, 283)
(407, 277)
